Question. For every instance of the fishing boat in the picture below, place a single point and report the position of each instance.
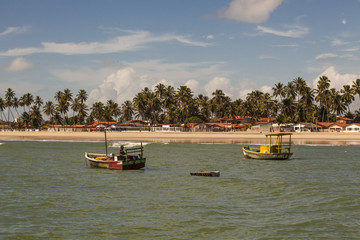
(128, 159)
(277, 147)
(132, 159)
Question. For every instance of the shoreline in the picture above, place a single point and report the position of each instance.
(326, 138)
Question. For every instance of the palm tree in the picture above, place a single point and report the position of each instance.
(306, 101)
(49, 109)
(160, 90)
(290, 91)
(127, 110)
(204, 106)
(279, 91)
(75, 106)
(79, 106)
(67, 95)
(140, 103)
(27, 100)
(148, 105)
(347, 96)
(300, 86)
(322, 96)
(219, 103)
(38, 101)
(9, 95)
(357, 116)
(25, 119)
(112, 110)
(2, 108)
(185, 103)
(338, 105)
(35, 116)
(356, 87)
(63, 103)
(16, 104)
(82, 95)
(255, 104)
(82, 113)
(239, 107)
(97, 111)
(154, 107)
(169, 105)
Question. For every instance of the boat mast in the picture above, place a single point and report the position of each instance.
(105, 142)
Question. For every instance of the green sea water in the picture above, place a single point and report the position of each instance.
(48, 192)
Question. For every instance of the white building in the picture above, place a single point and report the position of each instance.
(354, 127)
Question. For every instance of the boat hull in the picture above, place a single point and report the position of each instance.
(101, 161)
(265, 156)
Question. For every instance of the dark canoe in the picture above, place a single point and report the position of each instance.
(206, 173)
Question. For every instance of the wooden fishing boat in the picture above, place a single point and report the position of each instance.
(132, 159)
(127, 159)
(277, 147)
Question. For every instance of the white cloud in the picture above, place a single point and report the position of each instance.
(134, 41)
(338, 42)
(343, 21)
(266, 89)
(210, 37)
(120, 86)
(13, 30)
(337, 80)
(354, 49)
(246, 86)
(83, 75)
(194, 86)
(123, 85)
(251, 11)
(19, 65)
(326, 57)
(350, 57)
(219, 83)
(293, 32)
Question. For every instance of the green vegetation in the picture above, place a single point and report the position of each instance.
(294, 102)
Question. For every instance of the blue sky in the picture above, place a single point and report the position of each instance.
(113, 49)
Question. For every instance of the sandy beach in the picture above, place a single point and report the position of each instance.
(213, 137)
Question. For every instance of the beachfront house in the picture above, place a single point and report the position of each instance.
(337, 127)
(343, 120)
(166, 128)
(305, 127)
(324, 126)
(66, 128)
(199, 127)
(354, 127)
(5, 126)
(264, 127)
(300, 127)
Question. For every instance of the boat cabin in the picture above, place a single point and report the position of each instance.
(275, 143)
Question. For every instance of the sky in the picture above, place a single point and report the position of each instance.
(115, 48)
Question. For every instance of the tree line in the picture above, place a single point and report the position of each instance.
(289, 103)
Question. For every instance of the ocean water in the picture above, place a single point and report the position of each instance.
(48, 192)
